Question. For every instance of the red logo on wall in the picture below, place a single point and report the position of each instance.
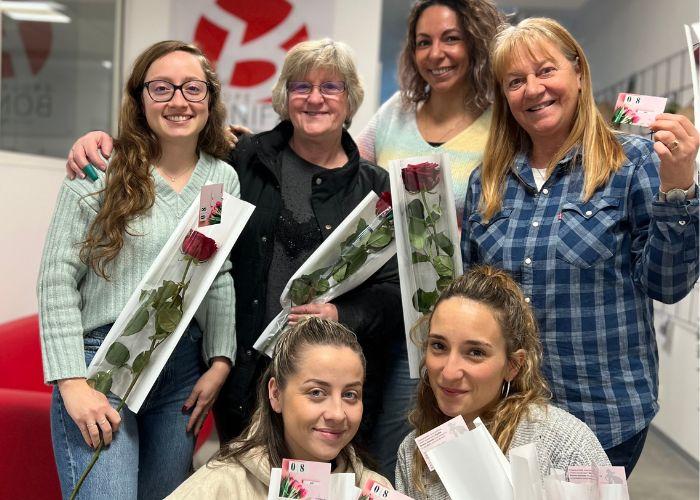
(258, 22)
(35, 39)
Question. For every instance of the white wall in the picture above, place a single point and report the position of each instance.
(30, 183)
(679, 387)
(27, 197)
(621, 37)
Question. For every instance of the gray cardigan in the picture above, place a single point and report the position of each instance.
(560, 438)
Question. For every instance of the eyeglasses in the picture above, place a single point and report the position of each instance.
(163, 91)
(326, 88)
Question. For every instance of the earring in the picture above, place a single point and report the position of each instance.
(505, 388)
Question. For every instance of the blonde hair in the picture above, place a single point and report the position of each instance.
(129, 188)
(602, 154)
(325, 54)
(495, 289)
(266, 429)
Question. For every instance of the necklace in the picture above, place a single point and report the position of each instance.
(462, 120)
(173, 178)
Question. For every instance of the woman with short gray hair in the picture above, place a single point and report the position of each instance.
(304, 177)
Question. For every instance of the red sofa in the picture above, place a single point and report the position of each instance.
(27, 469)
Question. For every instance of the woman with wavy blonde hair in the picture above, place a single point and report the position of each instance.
(482, 358)
(103, 238)
(594, 225)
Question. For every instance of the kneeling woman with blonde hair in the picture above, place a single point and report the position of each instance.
(309, 408)
(482, 358)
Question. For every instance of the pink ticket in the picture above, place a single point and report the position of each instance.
(305, 480)
(210, 204)
(375, 491)
(635, 109)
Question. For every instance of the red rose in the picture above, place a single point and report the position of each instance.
(383, 203)
(198, 246)
(421, 177)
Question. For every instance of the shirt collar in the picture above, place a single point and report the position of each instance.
(521, 161)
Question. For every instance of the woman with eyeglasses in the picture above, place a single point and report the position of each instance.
(103, 238)
(304, 177)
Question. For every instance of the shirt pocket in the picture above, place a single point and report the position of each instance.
(489, 235)
(587, 231)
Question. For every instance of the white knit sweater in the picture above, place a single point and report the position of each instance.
(560, 438)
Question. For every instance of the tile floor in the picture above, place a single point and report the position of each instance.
(662, 473)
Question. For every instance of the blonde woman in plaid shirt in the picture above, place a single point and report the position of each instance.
(592, 224)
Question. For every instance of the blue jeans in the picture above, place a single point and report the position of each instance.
(628, 452)
(392, 423)
(151, 454)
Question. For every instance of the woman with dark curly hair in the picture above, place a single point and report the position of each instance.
(103, 238)
(446, 90)
(442, 107)
(482, 358)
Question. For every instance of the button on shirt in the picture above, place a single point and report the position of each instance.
(591, 269)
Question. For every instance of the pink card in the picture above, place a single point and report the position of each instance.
(210, 204)
(635, 109)
(305, 480)
(598, 473)
(375, 491)
(441, 434)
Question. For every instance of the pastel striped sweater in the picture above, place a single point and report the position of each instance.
(393, 134)
(73, 300)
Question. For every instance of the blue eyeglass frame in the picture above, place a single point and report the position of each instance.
(320, 87)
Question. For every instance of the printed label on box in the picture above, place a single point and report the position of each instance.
(441, 434)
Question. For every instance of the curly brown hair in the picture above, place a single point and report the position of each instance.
(497, 290)
(479, 21)
(129, 188)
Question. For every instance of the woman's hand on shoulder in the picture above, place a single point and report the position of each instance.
(90, 410)
(323, 311)
(232, 133)
(205, 391)
(87, 150)
(676, 143)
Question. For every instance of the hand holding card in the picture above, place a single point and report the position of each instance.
(676, 143)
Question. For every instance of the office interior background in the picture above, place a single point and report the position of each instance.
(64, 62)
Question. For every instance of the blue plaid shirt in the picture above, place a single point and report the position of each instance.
(590, 270)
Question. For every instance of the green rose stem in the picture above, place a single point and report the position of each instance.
(431, 224)
(122, 402)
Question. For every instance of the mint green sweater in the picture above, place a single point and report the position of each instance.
(73, 300)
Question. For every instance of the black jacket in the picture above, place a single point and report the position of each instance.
(372, 311)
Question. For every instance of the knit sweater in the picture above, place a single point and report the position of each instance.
(249, 478)
(560, 438)
(73, 300)
(393, 134)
